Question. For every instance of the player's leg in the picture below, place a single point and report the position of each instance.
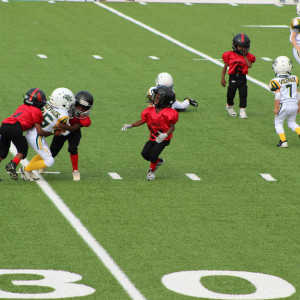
(296, 55)
(231, 91)
(74, 140)
(147, 150)
(291, 118)
(243, 94)
(279, 120)
(181, 105)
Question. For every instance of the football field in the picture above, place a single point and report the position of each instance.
(222, 218)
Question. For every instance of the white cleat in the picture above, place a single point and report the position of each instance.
(243, 114)
(150, 175)
(76, 175)
(27, 176)
(231, 111)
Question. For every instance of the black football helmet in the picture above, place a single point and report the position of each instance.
(83, 105)
(167, 96)
(241, 40)
(35, 97)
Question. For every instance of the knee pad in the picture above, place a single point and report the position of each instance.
(145, 155)
(49, 161)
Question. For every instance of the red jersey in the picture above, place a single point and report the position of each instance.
(236, 63)
(26, 115)
(86, 122)
(159, 121)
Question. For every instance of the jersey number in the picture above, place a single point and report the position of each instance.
(289, 86)
(45, 123)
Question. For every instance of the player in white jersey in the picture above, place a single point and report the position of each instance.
(295, 34)
(54, 112)
(165, 79)
(287, 97)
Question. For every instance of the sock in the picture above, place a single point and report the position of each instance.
(297, 130)
(282, 137)
(153, 165)
(36, 163)
(74, 161)
(16, 160)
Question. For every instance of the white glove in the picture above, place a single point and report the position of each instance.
(161, 137)
(126, 127)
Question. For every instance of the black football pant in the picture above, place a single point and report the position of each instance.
(12, 133)
(237, 82)
(59, 140)
(152, 150)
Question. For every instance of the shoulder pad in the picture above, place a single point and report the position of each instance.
(274, 85)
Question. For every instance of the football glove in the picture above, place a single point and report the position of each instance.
(126, 127)
(161, 137)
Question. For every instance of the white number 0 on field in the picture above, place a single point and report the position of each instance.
(62, 282)
(267, 286)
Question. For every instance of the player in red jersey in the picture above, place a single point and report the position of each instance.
(26, 116)
(79, 117)
(161, 121)
(238, 61)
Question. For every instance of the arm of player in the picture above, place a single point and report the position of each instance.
(277, 102)
(68, 127)
(294, 42)
(135, 124)
(223, 81)
(163, 135)
(247, 61)
(40, 131)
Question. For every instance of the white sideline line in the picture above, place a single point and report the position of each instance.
(192, 176)
(267, 177)
(114, 175)
(266, 26)
(82, 231)
(182, 45)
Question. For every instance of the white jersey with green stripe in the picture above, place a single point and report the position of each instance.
(53, 116)
(288, 86)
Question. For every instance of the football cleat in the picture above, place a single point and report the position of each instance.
(160, 163)
(282, 144)
(231, 111)
(150, 175)
(76, 175)
(27, 176)
(11, 168)
(192, 102)
(243, 114)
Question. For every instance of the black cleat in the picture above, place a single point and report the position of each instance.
(11, 168)
(192, 102)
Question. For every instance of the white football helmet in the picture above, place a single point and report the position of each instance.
(282, 65)
(164, 79)
(298, 9)
(62, 98)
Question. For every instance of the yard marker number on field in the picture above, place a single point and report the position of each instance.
(42, 56)
(114, 175)
(154, 57)
(97, 57)
(267, 177)
(192, 176)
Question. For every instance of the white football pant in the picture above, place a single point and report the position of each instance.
(181, 105)
(287, 111)
(40, 146)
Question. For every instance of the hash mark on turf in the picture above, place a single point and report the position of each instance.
(114, 175)
(267, 59)
(192, 176)
(267, 177)
(97, 57)
(153, 57)
(42, 56)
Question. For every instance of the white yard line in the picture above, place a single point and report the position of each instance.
(82, 231)
(182, 45)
